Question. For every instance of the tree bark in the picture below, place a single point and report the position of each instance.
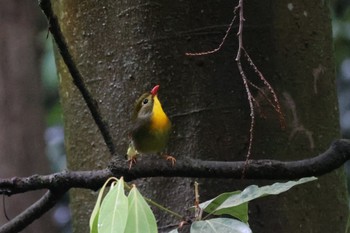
(22, 117)
(125, 48)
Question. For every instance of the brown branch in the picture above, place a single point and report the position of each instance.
(275, 105)
(252, 114)
(333, 158)
(75, 73)
(60, 183)
(240, 29)
(219, 46)
(250, 97)
(238, 11)
(35, 211)
(62, 180)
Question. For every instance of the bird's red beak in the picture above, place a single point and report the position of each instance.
(155, 90)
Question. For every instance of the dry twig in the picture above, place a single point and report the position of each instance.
(238, 10)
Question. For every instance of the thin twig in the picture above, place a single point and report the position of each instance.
(277, 105)
(250, 97)
(240, 29)
(220, 45)
(239, 10)
(198, 212)
(4, 206)
(252, 116)
(261, 91)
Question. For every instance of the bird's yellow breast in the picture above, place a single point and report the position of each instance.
(159, 120)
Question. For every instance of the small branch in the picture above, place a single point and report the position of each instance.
(35, 211)
(246, 83)
(240, 29)
(76, 75)
(276, 105)
(252, 114)
(219, 46)
(238, 10)
(333, 158)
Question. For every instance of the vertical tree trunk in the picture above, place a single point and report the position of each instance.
(124, 48)
(22, 117)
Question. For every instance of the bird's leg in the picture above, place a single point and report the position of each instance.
(131, 154)
(169, 158)
(132, 161)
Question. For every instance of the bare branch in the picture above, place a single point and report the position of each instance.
(35, 211)
(219, 46)
(252, 114)
(240, 29)
(275, 105)
(60, 183)
(62, 180)
(333, 158)
(250, 97)
(76, 75)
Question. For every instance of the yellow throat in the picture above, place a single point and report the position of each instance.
(159, 120)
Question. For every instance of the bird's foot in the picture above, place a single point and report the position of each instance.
(131, 154)
(131, 162)
(170, 158)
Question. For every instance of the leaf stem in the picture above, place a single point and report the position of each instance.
(157, 205)
(164, 209)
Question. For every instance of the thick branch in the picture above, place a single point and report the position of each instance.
(76, 75)
(62, 180)
(60, 183)
(333, 158)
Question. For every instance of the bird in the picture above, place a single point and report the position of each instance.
(151, 127)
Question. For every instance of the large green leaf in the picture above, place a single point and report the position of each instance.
(96, 211)
(219, 225)
(253, 192)
(240, 212)
(140, 217)
(236, 203)
(114, 210)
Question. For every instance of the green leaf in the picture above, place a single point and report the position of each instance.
(95, 213)
(114, 210)
(236, 203)
(240, 212)
(253, 192)
(219, 225)
(140, 217)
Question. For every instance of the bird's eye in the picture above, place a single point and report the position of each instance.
(145, 101)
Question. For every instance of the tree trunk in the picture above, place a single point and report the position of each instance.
(22, 116)
(124, 48)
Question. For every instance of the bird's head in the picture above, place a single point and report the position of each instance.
(145, 103)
